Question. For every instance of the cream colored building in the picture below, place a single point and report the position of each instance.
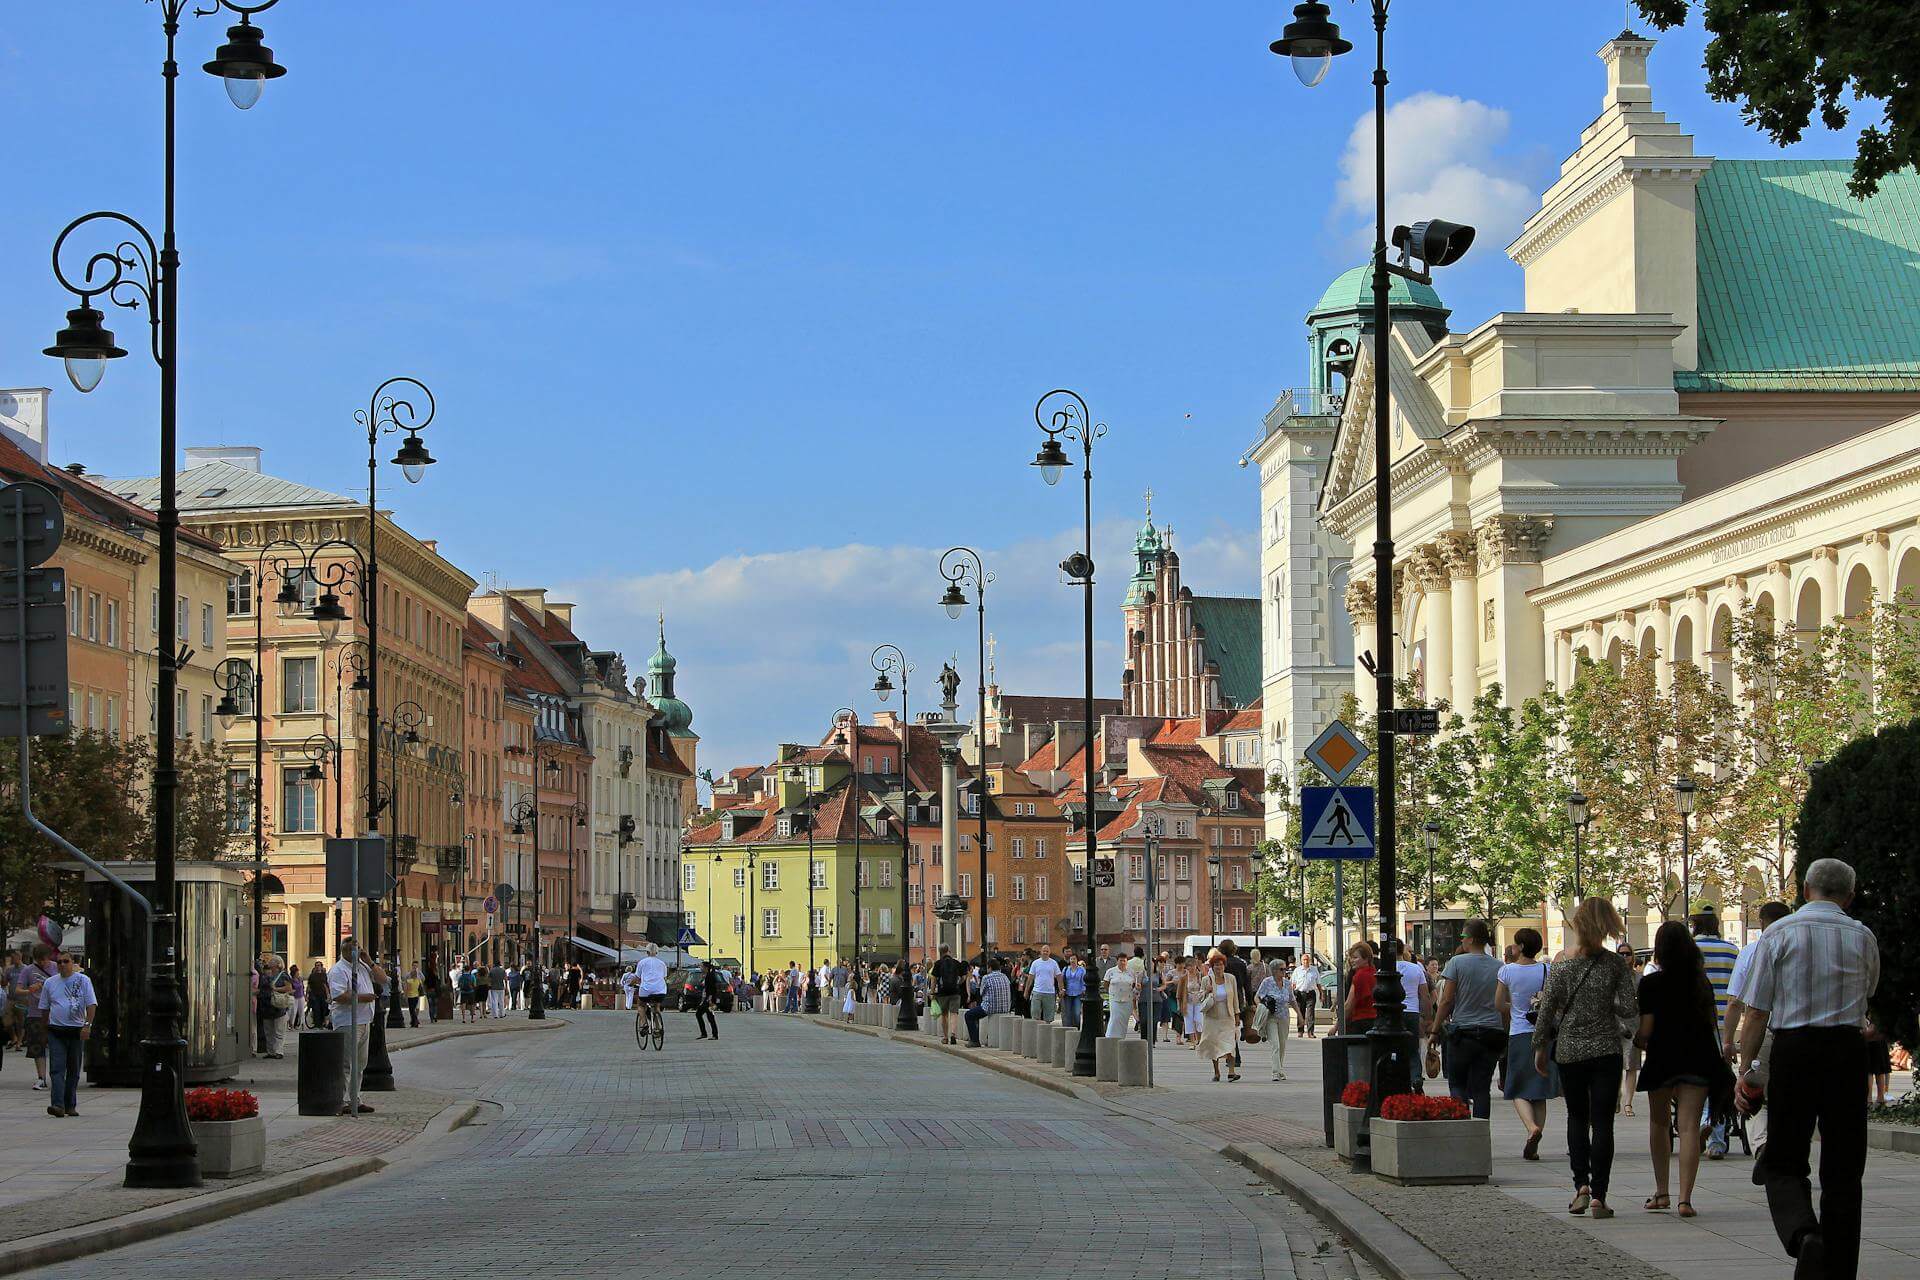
(1708, 401)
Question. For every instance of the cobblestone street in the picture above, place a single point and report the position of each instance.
(785, 1149)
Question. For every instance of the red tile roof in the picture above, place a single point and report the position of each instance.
(79, 495)
(667, 762)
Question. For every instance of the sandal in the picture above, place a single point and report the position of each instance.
(1602, 1211)
(1686, 1210)
(1629, 1110)
(1532, 1150)
(1656, 1203)
(1581, 1200)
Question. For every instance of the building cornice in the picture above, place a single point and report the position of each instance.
(1555, 222)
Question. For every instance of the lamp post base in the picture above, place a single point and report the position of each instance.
(161, 1152)
(378, 1077)
(909, 1019)
(1091, 1017)
(813, 999)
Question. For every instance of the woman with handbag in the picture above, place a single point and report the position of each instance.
(1588, 996)
(1518, 997)
(1272, 1002)
(1220, 1017)
(1680, 1034)
(275, 998)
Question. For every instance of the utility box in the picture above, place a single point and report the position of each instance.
(214, 935)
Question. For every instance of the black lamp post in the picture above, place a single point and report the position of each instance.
(850, 737)
(1685, 794)
(957, 566)
(578, 812)
(1430, 836)
(136, 273)
(804, 776)
(398, 404)
(1311, 41)
(622, 837)
(404, 726)
(888, 660)
(1578, 815)
(1214, 862)
(526, 814)
(1064, 413)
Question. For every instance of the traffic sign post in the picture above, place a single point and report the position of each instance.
(33, 613)
(1103, 873)
(1337, 752)
(1416, 722)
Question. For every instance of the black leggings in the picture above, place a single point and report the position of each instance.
(703, 1015)
(1592, 1090)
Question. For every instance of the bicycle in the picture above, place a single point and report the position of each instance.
(649, 1023)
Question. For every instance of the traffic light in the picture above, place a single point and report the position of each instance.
(33, 611)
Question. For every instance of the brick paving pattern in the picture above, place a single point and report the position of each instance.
(785, 1150)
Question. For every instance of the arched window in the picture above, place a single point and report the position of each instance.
(1339, 623)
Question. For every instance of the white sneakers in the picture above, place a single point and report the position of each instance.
(39, 1084)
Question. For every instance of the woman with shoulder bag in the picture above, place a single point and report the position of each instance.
(275, 998)
(318, 1015)
(1272, 1002)
(1588, 996)
(1219, 1016)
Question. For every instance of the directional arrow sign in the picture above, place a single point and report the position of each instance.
(1336, 752)
(1336, 822)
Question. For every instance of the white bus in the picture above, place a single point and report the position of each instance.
(1269, 945)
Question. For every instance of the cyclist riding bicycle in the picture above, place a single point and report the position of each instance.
(650, 981)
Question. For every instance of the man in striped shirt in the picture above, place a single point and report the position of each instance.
(1809, 982)
(1719, 956)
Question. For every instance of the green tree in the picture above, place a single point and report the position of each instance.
(1783, 61)
(1863, 808)
(90, 788)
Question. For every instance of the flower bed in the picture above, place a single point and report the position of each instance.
(1356, 1094)
(228, 1130)
(1420, 1106)
(1418, 1140)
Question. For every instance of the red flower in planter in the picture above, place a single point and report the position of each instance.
(1420, 1106)
(221, 1104)
(1355, 1094)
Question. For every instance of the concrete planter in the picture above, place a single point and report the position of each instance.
(1418, 1153)
(1349, 1132)
(230, 1148)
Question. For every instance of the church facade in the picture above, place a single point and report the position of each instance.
(1700, 408)
(1186, 654)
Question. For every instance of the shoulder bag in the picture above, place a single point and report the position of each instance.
(1550, 1034)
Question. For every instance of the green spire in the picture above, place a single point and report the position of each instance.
(671, 714)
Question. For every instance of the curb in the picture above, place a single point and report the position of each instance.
(195, 1211)
(521, 1024)
(1365, 1229)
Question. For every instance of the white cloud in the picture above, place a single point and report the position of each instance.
(1444, 160)
(770, 643)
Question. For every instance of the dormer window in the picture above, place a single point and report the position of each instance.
(1232, 800)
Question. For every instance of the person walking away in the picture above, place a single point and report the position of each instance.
(1121, 990)
(1516, 996)
(1809, 984)
(497, 988)
(517, 977)
(67, 1005)
(1630, 1035)
(1220, 1017)
(1073, 990)
(410, 988)
(319, 997)
(430, 989)
(1679, 1033)
(1306, 991)
(1243, 976)
(1469, 1020)
(1417, 1015)
(709, 996)
(27, 987)
(463, 986)
(274, 1003)
(995, 996)
(1588, 997)
(1043, 985)
(297, 1011)
(949, 985)
(1274, 999)
(1719, 956)
(839, 977)
(353, 986)
(1357, 1005)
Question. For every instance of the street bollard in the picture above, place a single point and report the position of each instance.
(1065, 1040)
(1106, 1058)
(1130, 1062)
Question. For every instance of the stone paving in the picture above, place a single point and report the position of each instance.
(67, 1172)
(785, 1149)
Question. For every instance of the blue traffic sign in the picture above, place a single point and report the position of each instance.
(1336, 822)
(688, 938)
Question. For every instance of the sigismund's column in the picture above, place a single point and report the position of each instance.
(951, 931)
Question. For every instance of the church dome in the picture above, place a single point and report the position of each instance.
(671, 714)
(1353, 291)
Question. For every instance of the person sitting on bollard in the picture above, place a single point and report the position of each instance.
(996, 996)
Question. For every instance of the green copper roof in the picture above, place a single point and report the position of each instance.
(1232, 626)
(671, 714)
(1802, 287)
(1353, 291)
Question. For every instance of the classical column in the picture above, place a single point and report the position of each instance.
(1429, 571)
(1875, 557)
(1509, 548)
(1825, 570)
(1463, 567)
(1662, 616)
(1361, 610)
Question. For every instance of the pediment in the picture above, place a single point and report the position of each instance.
(1418, 418)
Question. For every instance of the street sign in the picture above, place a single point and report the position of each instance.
(689, 938)
(1416, 722)
(1336, 822)
(503, 892)
(1103, 873)
(33, 637)
(1336, 752)
(372, 851)
(491, 905)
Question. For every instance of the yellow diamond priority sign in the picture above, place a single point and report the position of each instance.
(1336, 752)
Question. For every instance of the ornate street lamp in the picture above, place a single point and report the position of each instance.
(1063, 414)
(1685, 794)
(958, 566)
(804, 776)
(1578, 815)
(1430, 836)
(135, 273)
(526, 817)
(888, 661)
(1310, 42)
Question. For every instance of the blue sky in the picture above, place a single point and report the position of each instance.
(739, 310)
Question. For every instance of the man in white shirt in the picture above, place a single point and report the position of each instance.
(353, 987)
(1043, 985)
(1306, 990)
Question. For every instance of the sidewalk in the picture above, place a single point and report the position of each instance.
(1517, 1223)
(61, 1174)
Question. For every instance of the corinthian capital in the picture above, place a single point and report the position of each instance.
(1512, 539)
(1360, 599)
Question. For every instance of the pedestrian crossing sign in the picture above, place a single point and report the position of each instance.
(688, 938)
(1336, 822)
